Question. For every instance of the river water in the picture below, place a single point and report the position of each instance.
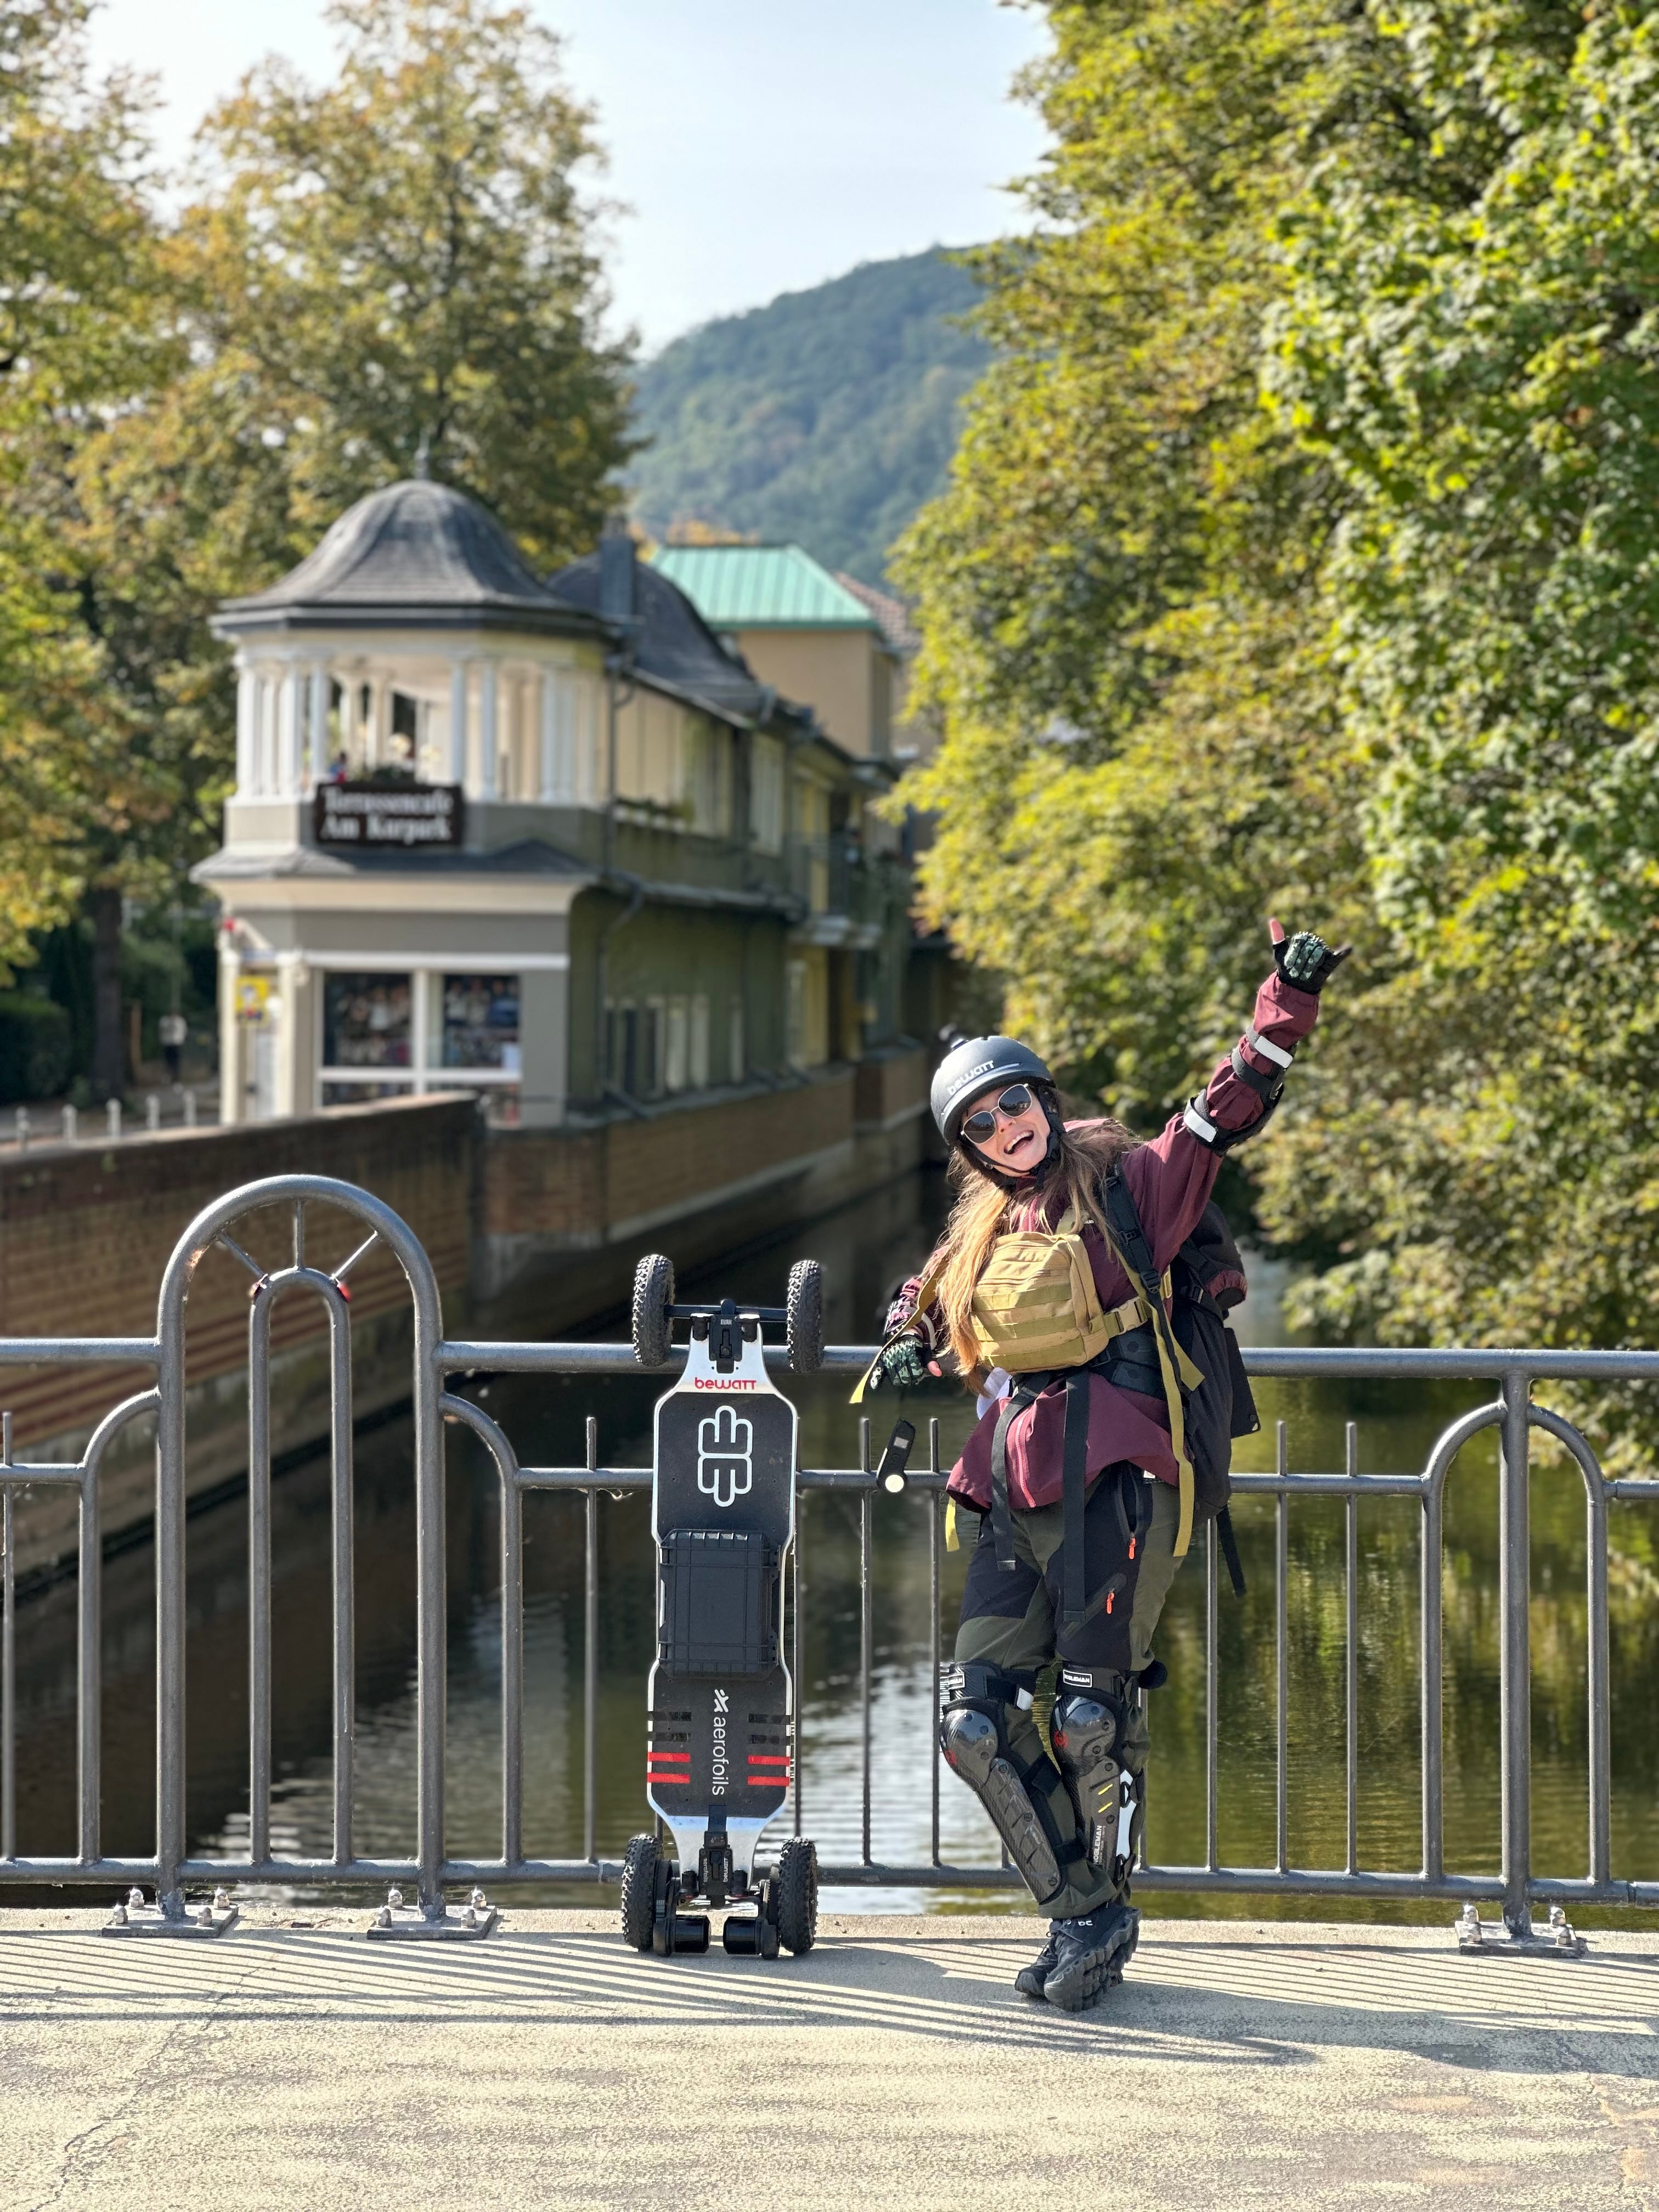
(864, 1249)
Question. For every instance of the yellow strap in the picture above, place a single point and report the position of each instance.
(952, 1542)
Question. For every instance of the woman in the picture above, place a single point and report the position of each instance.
(1089, 1595)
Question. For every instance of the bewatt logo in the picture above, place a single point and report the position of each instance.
(726, 1457)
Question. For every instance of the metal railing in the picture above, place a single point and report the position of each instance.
(110, 1124)
(1513, 1883)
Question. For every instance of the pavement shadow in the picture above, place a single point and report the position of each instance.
(1243, 2004)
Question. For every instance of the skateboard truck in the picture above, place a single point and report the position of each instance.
(721, 1704)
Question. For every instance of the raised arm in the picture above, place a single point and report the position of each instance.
(1170, 1179)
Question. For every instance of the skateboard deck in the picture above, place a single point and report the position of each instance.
(723, 1514)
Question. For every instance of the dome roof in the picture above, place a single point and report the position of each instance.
(415, 556)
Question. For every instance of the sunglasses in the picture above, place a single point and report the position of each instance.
(1012, 1102)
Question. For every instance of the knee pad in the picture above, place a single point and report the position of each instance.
(973, 1735)
(1087, 1731)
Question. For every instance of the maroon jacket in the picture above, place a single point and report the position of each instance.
(1170, 1180)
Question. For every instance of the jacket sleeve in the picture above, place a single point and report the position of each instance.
(1170, 1179)
(928, 1324)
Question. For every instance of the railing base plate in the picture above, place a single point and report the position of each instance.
(404, 1923)
(202, 1921)
(1559, 1941)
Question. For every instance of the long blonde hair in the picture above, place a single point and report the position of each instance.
(985, 1209)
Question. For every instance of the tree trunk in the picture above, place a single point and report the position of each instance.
(108, 1045)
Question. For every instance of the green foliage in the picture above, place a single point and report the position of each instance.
(395, 264)
(1299, 555)
(827, 418)
(34, 1047)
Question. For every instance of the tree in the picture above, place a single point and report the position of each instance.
(397, 271)
(391, 272)
(1143, 752)
(1481, 374)
(1299, 555)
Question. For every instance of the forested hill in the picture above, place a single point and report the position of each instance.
(829, 416)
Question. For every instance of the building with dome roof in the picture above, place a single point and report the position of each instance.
(547, 839)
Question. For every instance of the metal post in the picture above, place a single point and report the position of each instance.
(88, 1675)
(867, 1642)
(1281, 1646)
(1351, 1580)
(152, 1110)
(935, 1515)
(22, 1130)
(190, 1110)
(1212, 1671)
(8, 1667)
(112, 1118)
(1514, 1599)
(344, 1556)
(797, 1750)
(259, 1573)
(1601, 1750)
(511, 1671)
(590, 1657)
(71, 1124)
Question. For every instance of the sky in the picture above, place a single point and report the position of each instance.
(759, 146)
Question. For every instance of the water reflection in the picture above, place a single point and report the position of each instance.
(864, 1250)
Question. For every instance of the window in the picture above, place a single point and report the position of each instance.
(365, 1021)
(797, 1012)
(708, 778)
(700, 1044)
(480, 1023)
(766, 795)
(635, 1059)
(736, 1062)
(676, 1047)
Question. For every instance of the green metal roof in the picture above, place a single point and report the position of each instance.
(760, 587)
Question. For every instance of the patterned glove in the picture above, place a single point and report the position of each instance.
(1304, 961)
(903, 1364)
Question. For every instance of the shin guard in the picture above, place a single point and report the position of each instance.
(1087, 1730)
(973, 1735)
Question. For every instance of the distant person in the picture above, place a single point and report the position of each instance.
(1052, 1294)
(174, 1030)
(338, 770)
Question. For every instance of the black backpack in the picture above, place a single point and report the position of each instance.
(1206, 1281)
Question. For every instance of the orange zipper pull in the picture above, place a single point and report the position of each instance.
(1132, 1547)
(1110, 1595)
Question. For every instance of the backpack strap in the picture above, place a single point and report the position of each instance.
(1128, 1239)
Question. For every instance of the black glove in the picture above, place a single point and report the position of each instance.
(1305, 962)
(903, 1364)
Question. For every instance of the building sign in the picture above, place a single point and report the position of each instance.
(373, 816)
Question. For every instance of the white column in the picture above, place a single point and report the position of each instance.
(487, 737)
(549, 736)
(265, 774)
(458, 676)
(287, 733)
(247, 709)
(319, 720)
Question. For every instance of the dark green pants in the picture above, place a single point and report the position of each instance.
(1009, 1620)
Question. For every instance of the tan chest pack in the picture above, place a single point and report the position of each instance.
(1036, 1305)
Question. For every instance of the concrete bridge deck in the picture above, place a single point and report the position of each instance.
(293, 2064)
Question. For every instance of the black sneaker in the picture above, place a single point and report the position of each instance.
(1028, 1980)
(1091, 1954)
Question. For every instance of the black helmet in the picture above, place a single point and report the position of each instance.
(975, 1065)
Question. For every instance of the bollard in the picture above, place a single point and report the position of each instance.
(70, 1119)
(22, 1129)
(190, 1110)
(112, 1117)
(153, 1111)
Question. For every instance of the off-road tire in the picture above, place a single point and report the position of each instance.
(639, 1890)
(797, 1895)
(803, 1307)
(653, 1293)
